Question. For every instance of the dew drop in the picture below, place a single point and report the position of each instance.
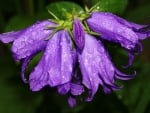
(34, 33)
(90, 50)
(97, 7)
(61, 43)
(63, 76)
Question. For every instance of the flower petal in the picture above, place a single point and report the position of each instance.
(97, 68)
(55, 66)
(25, 63)
(132, 53)
(143, 32)
(10, 36)
(88, 61)
(64, 88)
(31, 40)
(76, 89)
(78, 34)
(72, 101)
(115, 29)
(122, 76)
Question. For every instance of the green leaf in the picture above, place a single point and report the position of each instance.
(61, 8)
(114, 6)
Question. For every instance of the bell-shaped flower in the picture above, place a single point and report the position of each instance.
(28, 41)
(115, 29)
(55, 66)
(72, 68)
(97, 68)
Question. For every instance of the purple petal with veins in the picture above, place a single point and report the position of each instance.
(97, 68)
(55, 66)
(78, 34)
(28, 41)
(116, 29)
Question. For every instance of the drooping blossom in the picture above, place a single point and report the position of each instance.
(115, 29)
(118, 30)
(28, 41)
(55, 66)
(97, 68)
(74, 61)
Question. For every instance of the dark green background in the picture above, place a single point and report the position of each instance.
(16, 97)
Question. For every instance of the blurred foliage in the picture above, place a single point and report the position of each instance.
(13, 91)
(140, 14)
(60, 11)
(114, 6)
(14, 25)
(16, 97)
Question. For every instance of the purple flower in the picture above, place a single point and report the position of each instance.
(116, 29)
(28, 41)
(55, 66)
(74, 61)
(97, 68)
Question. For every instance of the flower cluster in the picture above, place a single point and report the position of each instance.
(74, 58)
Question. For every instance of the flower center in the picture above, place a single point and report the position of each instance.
(67, 23)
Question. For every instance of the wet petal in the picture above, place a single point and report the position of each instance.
(88, 61)
(97, 68)
(115, 29)
(55, 66)
(71, 88)
(78, 34)
(64, 88)
(76, 89)
(31, 40)
(10, 36)
(143, 31)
